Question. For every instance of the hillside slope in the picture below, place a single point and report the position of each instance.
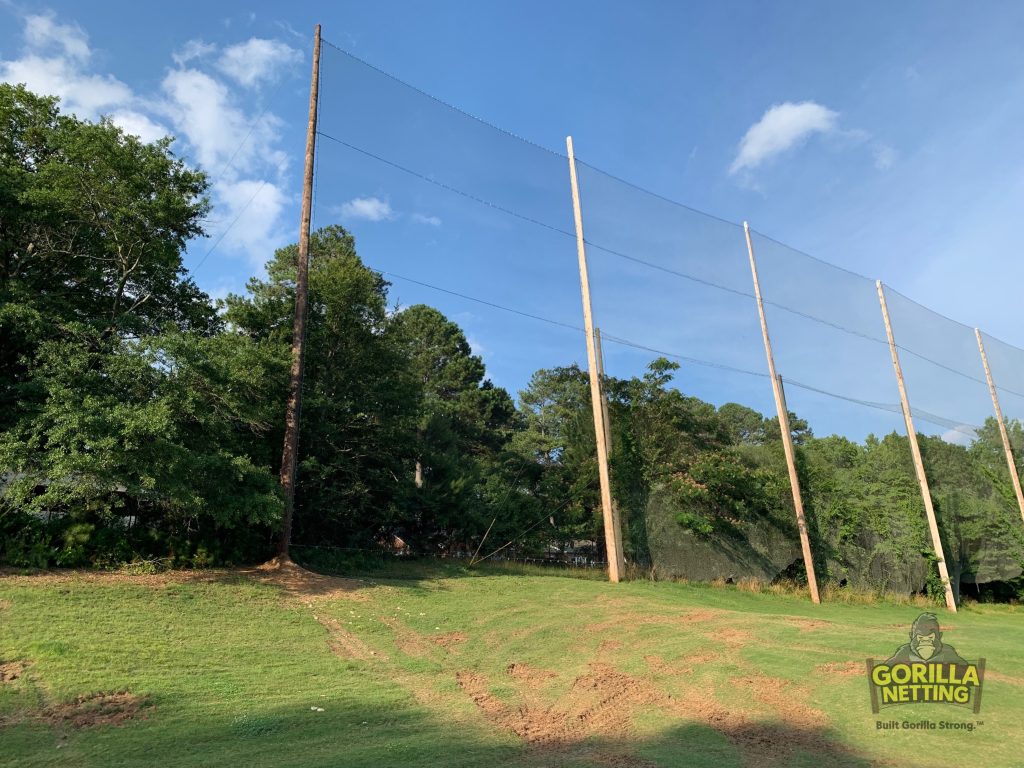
(288, 668)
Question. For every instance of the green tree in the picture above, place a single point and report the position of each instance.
(358, 414)
(464, 423)
(92, 226)
(166, 430)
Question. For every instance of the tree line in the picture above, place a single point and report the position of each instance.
(141, 419)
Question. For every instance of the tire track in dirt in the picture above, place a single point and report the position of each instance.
(602, 703)
(346, 645)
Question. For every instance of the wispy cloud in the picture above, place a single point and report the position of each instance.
(193, 49)
(780, 128)
(42, 31)
(420, 218)
(369, 208)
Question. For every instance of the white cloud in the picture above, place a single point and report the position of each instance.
(369, 208)
(88, 96)
(137, 124)
(420, 218)
(201, 108)
(193, 49)
(257, 60)
(42, 32)
(964, 434)
(780, 128)
(258, 206)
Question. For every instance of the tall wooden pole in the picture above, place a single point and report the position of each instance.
(915, 450)
(787, 435)
(289, 457)
(616, 519)
(604, 397)
(1011, 464)
(612, 537)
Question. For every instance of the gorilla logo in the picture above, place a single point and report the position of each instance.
(926, 645)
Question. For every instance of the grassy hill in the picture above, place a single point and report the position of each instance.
(287, 668)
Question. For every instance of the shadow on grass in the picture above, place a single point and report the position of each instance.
(348, 735)
(425, 568)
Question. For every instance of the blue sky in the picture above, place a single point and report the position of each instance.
(881, 137)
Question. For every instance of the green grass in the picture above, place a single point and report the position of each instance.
(231, 668)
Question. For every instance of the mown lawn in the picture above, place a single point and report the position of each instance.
(232, 668)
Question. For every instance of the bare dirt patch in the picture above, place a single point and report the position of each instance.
(409, 642)
(293, 579)
(297, 582)
(685, 665)
(533, 676)
(71, 576)
(662, 667)
(98, 709)
(842, 668)
(602, 702)
(781, 696)
(734, 639)
(11, 671)
(628, 621)
(449, 640)
(4, 604)
(346, 645)
(999, 677)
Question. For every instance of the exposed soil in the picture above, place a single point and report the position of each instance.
(600, 702)
(4, 604)
(734, 639)
(842, 668)
(627, 621)
(782, 697)
(70, 576)
(293, 579)
(98, 709)
(409, 642)
(533, 676)
(297, 582)
(603, 701)
(11, 671)
(346, 645)
(999, 677)
(685, 665)
(449, 640)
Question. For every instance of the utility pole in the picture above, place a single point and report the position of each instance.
(290, 454)
(787, 435)
(915, 452)
(612, 537)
